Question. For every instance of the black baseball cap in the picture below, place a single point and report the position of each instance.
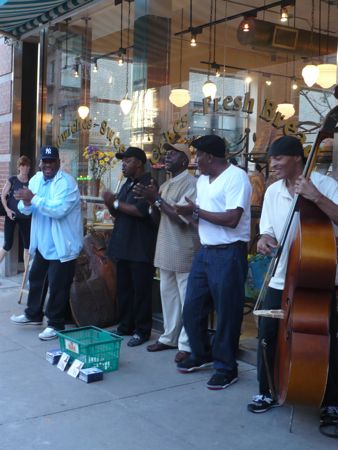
(212, 144)
(133, 152)
(48, 152)
(286, 145)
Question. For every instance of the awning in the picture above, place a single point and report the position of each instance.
(19, 17)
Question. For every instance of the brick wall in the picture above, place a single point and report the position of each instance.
(5, 116)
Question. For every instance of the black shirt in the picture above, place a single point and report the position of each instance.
(133, 238)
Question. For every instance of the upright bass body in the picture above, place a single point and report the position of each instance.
(304, 339)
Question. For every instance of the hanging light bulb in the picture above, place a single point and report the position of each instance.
(286, 109)
(179, 97)
(120, 60)
(245, 26)
(126, 105)
(284, 15)
(193, 42)
(76, 71)
(209, 89)
(83, 111)
(310, 74)
(268, 82)
(218, 73)
(95, 68)
(294, 85)
(327, 75)
(248, 79)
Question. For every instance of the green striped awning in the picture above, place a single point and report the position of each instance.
(19, 17)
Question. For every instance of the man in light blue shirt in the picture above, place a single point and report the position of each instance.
(53, 200)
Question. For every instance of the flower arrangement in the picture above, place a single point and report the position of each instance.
(99, 161)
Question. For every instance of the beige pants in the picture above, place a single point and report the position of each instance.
(173, 286)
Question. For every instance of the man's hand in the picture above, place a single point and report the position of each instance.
(25, 195)
(266, 245)
(307, 189)
(185, 210)
(150, 192)
(109, 198)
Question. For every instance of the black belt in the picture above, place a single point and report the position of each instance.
(224, 245)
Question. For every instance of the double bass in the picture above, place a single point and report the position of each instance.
(302, 358)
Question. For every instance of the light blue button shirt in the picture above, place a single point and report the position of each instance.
(57, 228)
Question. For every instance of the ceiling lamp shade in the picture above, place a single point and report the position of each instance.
(126, 105)
(83, 111)
(327, 75)
(287, 109)
(179, 97)
(310, 74)
(209, 89)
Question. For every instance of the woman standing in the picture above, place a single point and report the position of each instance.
(13, 216)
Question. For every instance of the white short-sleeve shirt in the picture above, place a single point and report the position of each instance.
(230, 190)
(276, 207)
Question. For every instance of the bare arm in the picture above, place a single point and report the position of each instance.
(308, 190)
(4, 193)
(228, 218)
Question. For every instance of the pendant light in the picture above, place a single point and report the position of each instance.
(180, 96)
(310, 72)
(327, 72)
(286, 108)
(209, 88)
(126, 104)
(83, 109)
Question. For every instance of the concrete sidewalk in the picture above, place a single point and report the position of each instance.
(145, 405)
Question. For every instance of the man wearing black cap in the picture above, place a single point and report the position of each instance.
(287, 161)
(53, 200)
(219, 268)
(132, 247)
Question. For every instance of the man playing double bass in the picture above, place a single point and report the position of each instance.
(287, 161)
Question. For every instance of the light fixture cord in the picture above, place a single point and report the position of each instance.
(127, 50)
(85, 61)
(210, 35)
(181, 48)
(190, 14)
(121, 28)
(328, 31)
(215, 16)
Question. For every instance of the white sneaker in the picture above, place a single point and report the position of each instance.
(22, 319)
(48, 334)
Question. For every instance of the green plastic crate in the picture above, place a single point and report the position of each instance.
(93, 346)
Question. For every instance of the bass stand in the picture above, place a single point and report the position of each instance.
(23, 290)
(271, 386)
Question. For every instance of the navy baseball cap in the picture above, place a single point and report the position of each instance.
(48, 152)
(133, 152)
(286, 145)
(212, 144)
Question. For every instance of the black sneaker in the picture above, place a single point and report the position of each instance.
(137, 340)
(329, 414)
(191, 364)
(221, 380)
(262, 403)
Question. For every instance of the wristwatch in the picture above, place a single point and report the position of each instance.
(196, 213)
(158, 202)
(116, 204)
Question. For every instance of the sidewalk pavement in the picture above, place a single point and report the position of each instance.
(145, 405)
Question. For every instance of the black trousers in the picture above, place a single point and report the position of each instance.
(59, 277)
(134, 294)
(268, 330)
(24, 230)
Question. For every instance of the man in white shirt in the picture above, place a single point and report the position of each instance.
(219, 269)
(287, 160)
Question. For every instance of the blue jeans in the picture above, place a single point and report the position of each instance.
(216, 279)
